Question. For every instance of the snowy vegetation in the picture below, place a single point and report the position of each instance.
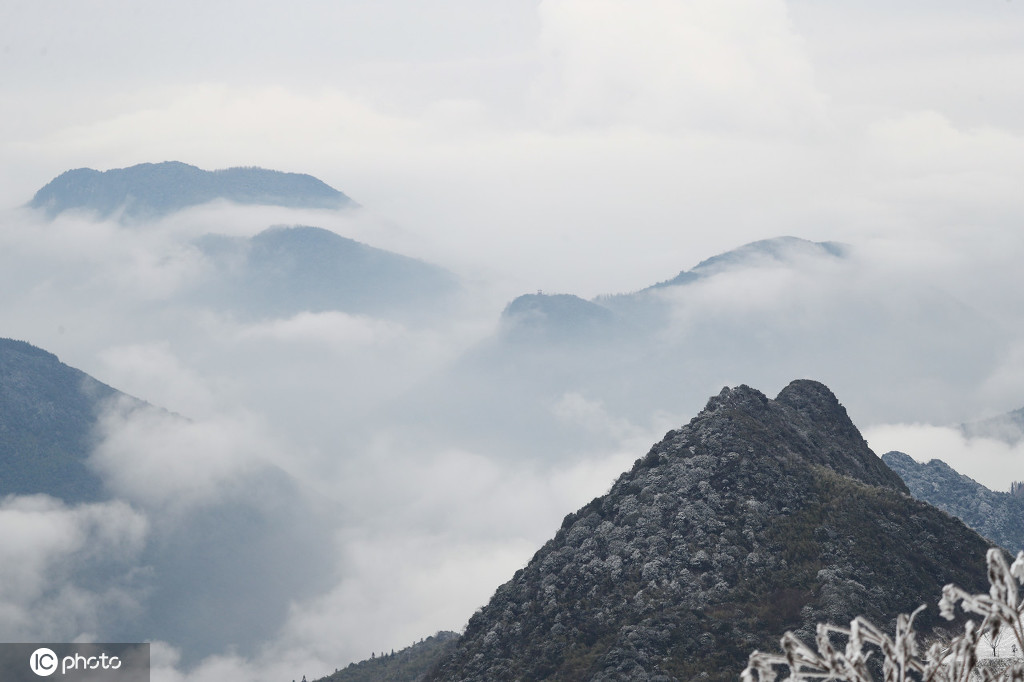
(955, 660)
(998, 516)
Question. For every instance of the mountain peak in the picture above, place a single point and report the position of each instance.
(757, 517)
(807, 418)
(737, 397)
(771, 251)
(809, 394)
(15, 346)
(556, 317)
(287, 269)
(153, 190)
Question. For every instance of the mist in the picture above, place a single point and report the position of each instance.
(307, 486)
(324, 485)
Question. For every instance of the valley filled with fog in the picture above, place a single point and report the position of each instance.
(570, 226)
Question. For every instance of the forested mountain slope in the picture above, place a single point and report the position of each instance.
(757, 517)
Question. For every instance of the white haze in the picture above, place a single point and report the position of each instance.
(991, 462)
(583, 147)
(50, 552)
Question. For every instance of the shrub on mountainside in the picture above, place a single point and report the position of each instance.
(955, 660)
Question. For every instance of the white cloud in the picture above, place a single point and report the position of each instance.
(430, 535)
(1003, 385)
(216, 126)
(726, 66)
(592, 147)
(154, 371)
(398, 607)
(161, 460)
(335, 329)
(575, 408)
(88, 258)
(50, 559)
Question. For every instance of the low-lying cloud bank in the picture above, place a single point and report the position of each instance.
(335, 483)
(68, 572)
(302, 507)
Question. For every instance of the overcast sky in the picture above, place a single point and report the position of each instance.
(534, 137)
(580, 146)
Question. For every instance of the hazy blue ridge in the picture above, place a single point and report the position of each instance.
(48, 413)
(565, 317)
(1008, 427)
(777, 250)
(996, 515)
(285, 270)
(757, 517)
(153, 190)
(765, 311)
(557, 318)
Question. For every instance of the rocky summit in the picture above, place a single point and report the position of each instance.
(759, 516)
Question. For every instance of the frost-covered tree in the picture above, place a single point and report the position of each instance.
(1001, 610)
(993, 638)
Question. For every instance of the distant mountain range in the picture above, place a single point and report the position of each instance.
(569, 318)
(996, 515)
(565, 318)
(279, 272)
(286, 270)
(763, 312)
(153, 190)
